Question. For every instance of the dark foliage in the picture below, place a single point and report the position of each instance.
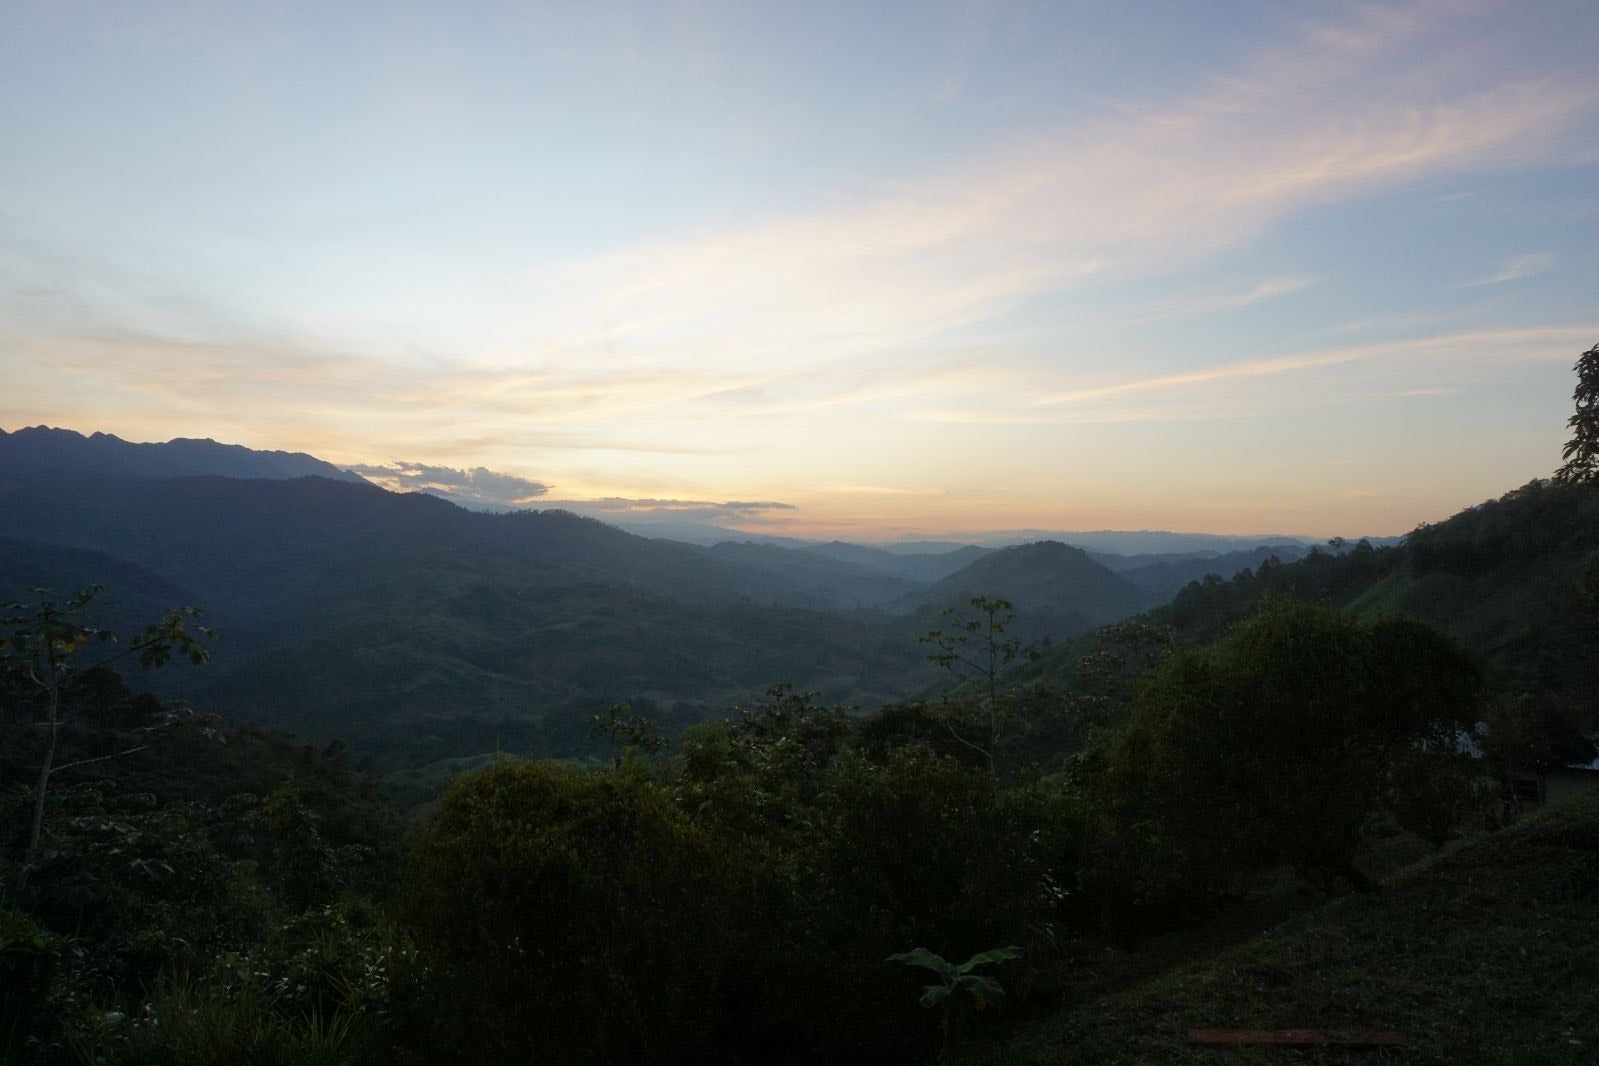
(214, 895)
(1581, 453)
(1278, 745)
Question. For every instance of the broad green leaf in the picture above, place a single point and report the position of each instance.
(983, 958)
(934, 995)
(923, 957)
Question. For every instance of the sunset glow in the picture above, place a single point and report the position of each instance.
(856, 271)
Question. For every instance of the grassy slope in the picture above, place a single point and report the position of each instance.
(1488, 953)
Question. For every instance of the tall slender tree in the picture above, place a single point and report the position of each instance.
(1581, 453)
(40, 643)
(977, 653)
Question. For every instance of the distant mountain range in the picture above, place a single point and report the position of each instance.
(398, 620)
(1163, 575)
(1127, 541)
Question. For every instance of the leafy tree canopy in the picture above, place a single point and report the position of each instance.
(1581, 453)
(1278, 743)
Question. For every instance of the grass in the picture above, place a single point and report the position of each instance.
(1487, 953)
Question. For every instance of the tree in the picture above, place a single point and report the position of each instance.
(1531, 733)
(1581, 453)
(977, 653)
(625, 734)
(1277, 744)
(41, 642)
(579, 914)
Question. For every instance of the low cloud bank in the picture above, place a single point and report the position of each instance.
(622, 508)
(477, 487)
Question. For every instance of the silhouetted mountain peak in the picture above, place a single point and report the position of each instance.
(45, 449)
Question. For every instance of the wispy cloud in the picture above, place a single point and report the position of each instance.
(1237, 301)
(960, 416)
(748, 357)
(875, 490)
(1491, 346)
(1517, 267)
(1146, 192)
(1407, 393)
(1408, 322)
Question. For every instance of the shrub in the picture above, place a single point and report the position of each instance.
(571, 917)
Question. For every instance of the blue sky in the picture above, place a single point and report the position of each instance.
(1227, 267)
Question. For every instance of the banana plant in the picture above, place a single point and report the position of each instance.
(953, 979)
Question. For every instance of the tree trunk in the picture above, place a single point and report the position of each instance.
(994, 722)
(45, 767)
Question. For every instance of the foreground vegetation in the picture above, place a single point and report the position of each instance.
(1483, 954)
(1200, 818)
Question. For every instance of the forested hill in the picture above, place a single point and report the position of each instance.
(1058, 589)
(140, 596)
(1515, 579)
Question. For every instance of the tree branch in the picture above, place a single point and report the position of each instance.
(99, 758)
(985, 754)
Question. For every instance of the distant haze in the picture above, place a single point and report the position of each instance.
(863, 271)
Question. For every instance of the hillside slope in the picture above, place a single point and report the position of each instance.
(1483, 955)
(134, 596)
(1515, 579)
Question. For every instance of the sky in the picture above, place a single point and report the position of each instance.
(834, 269)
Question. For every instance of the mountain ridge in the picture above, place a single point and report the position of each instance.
(41, 449)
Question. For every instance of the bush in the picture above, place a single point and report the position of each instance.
(1277, 744)
(568, 916)
(29, 957)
